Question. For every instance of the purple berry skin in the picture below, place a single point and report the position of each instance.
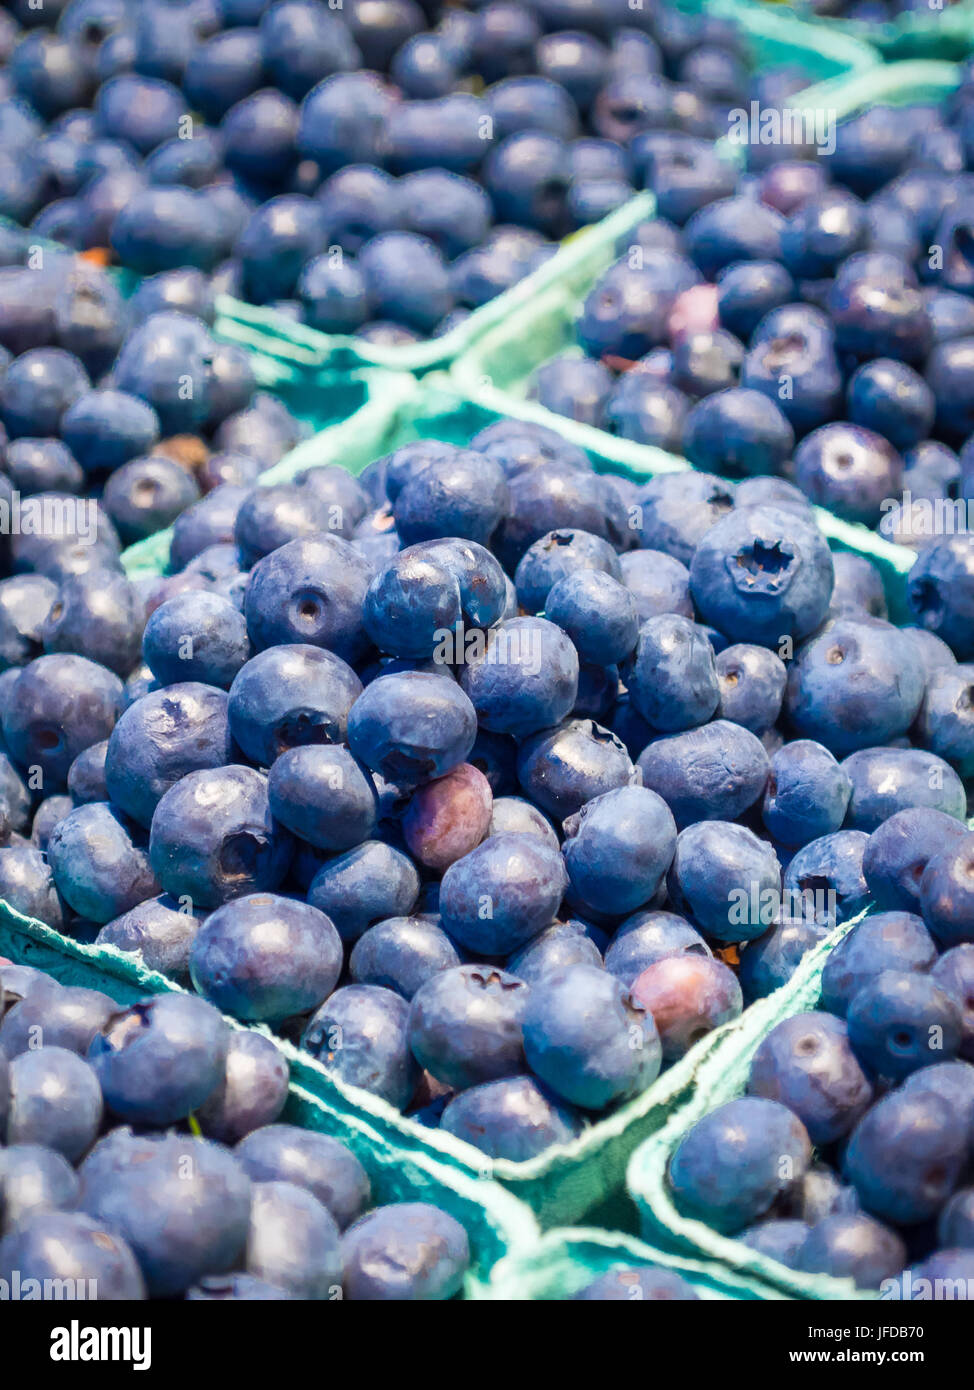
(588, 1039)
(465, 1025)
(519, 876)
(263, 958)
(807, 1063)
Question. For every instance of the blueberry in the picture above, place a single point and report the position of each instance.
(146, 495)
(947, 893)
(165, 228)
(405, 1252)
(779, 1240)
(763, 574)
(886, 780)
(161, 738)
(826, 877)
(447, 818)
(63, 1018)
(36, 390)
(465, 1025)
(905, 1157)
(940, 590)
(561, 944)
(738, 430)
(806, 1062)
(42, 465)
(752, 685)
(301, 44)
(55, 1102)
(736, 1163)
(25, 602)
(27, 885)
(264, 958)
(252, 1094)
(673, 677)
(196, 637)
(34, 1179)
(901, 1021)
(316, 1162)
(618, 847)
(725, 879)
(558, 555)
(401, 954)
(807, 794)
(207, 522)
(514, 815)
(731, 230)
(853, 1246)
(854, 685)
(157, 930)
(359, 1036)
(105, 428)
(545, 499)
(160, 1059)
(688, 995)
(182, 1204)
(884, 941)
(321, 794)
(293, 1242)
(563, 768)
(645, 1284)
(460, 495)
(100, 862)
(576, 387)
(54, 1247)
(658, 583)
(945, 723)
(513, 1118)
(290, 695)
(100, 614)
(407, 279)
(213, 837)
(309, 591)
(648, 937)
(519, 877)
(59, 705)
(953, 974)
(412, 725)
(714, 772)
(588, 1039)
(363, 886)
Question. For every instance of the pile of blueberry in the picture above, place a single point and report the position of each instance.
(140, 1156)
(381, 168)
(809, 315)
(851, 1154)
(115, 416)
(480, 775)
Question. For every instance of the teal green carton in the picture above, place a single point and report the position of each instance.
(496, 1223)
(564, 1262)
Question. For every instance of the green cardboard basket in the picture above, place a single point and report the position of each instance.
(496, 1223)
(944, 30)
(563, 1262)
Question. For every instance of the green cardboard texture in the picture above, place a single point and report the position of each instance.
(496, 1223)
(723, 1077)
(564, 1262)
(939, 30)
